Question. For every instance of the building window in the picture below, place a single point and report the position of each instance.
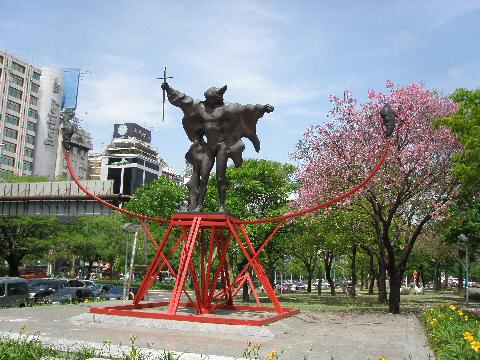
(18, 67)
(33, 113)
(12, 119)
(33, 100)
(31, 126)
(8, 160)
(10, 133)
(16, 79)
(27, 165)
(12, 105)
(36, 75)
(9, 147)
(34, 87)
(28, 152)
(15, 93)
(30, 139)
(1, 59)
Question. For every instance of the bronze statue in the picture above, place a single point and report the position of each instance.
(216, 130)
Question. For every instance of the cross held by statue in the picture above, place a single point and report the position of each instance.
(164, 78)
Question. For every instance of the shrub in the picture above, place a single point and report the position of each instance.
(453, 333)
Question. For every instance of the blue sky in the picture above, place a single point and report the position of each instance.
(291, 54)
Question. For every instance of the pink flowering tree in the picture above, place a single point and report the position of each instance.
(411, 188)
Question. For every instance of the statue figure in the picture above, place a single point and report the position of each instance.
(216, 130)
(389, 117)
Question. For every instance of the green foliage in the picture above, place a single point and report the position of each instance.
(254, 190)
(7, 177)
(465, 123)
(159, 198)
(26, 235)
(91, 238)
(453, 333)
(27, 346)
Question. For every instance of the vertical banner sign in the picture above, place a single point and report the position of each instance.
(70, 88)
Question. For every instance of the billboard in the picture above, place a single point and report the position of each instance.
(70, 88)
(131, 130)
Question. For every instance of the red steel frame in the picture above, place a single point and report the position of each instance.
(208, 236)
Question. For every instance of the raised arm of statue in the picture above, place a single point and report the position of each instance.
(178, 98)
(252, 111)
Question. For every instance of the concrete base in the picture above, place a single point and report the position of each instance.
(226, 314)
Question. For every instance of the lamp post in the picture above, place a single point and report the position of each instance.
(463, 238)
(129, 228)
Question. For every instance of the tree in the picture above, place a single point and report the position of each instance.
(26, 235)
(465, 123)
(411, 187)
(306, 244)
(159, 198)
(92, 239)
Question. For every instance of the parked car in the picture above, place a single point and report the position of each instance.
(13, 291)
(79, 283)
(283, 287)
(300, 286)
(116, 293)
(69, 295)
(40, 288)
(99, 289)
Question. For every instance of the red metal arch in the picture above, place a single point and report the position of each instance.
(256, 221)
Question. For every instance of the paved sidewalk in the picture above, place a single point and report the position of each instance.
(318, 335)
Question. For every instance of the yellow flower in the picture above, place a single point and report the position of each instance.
(460, 312)
(453, 307)
(475, 345)
(466, 318)
(451, 318)
(272, 355)
(468, 336)
(383, 357)
(434, 321)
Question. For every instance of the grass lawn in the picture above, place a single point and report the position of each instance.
(362, 302)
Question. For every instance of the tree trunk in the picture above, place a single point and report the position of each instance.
(13, 265)
(362, 277)
(89, 269)
(381, 282)
(460, 278)
(310, 270)
(354, 270)
(328, 259)
(438, 277)
(72, 269)
(445, 281)
(245, 295)
(422, 275)
(372, 275)
(395, 284)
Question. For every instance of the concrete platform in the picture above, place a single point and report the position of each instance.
(312, 334)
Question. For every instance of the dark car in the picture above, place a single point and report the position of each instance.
(79, 283)
(69, 295)
(40, 288)
(99, 289)
(116, 293)
(13, 291)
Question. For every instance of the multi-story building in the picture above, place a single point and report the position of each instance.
(19, 114)
(31, 104)
(129, 160)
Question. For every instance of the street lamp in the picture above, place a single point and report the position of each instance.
(129, 228)
(463, 238)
